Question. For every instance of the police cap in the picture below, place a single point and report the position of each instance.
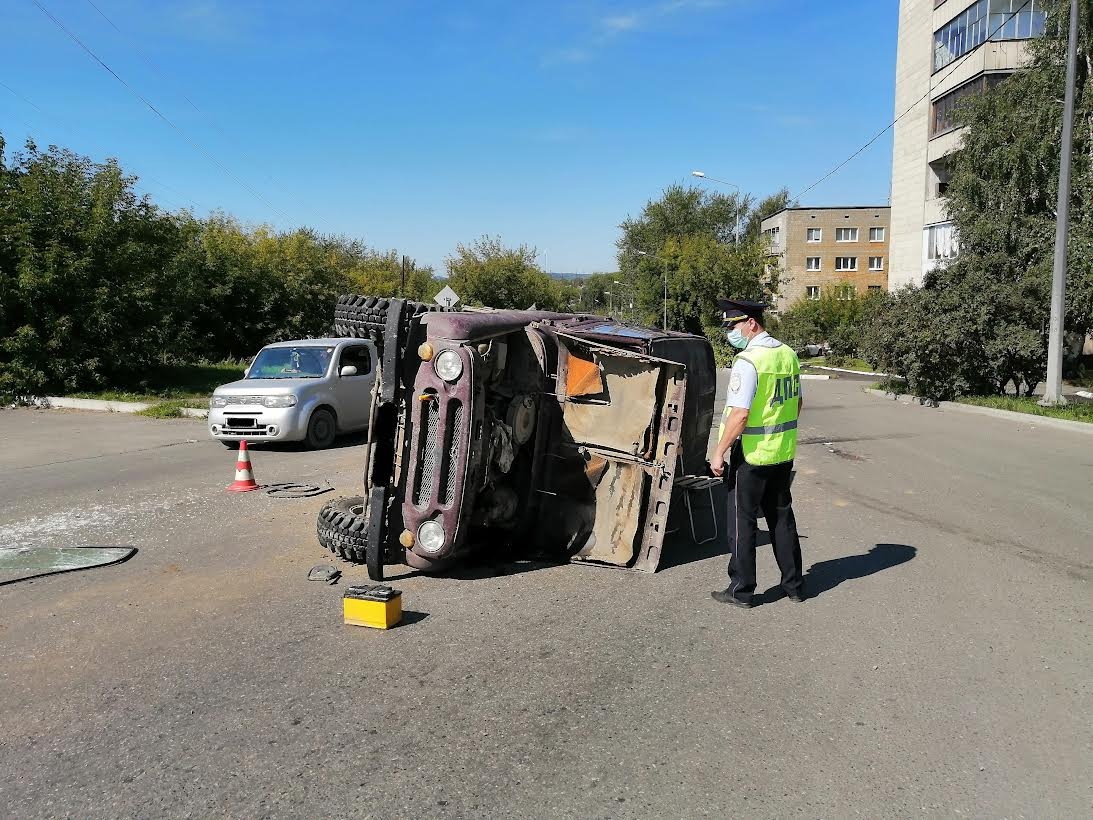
(735, 310)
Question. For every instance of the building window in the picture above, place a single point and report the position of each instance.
(876, 263)
(846, 263)
(876, 234)
(815, 234)
(943, 109)
(844, 292)
(846, 234)
(938, 179)
(812, 263)
(987, 19)
(874, 288)
(813, 292)
(941, 242)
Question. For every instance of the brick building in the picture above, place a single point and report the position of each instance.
(817, 248)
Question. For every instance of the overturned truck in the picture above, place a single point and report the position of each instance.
(522, 432)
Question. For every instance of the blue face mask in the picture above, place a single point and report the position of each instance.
(736, 338)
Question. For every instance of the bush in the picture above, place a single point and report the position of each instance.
(834, 319)
(962, 333)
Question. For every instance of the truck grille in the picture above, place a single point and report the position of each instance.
(447, 478)
(427, 453)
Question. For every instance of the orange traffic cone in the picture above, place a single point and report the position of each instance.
(244, 478)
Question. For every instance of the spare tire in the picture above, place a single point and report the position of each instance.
(365, 317)
(342, 528)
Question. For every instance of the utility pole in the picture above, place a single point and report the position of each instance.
(402, 283)
(1053, 392)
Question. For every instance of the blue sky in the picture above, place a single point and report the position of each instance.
(418, 125)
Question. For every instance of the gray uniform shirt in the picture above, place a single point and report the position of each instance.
(743, 380)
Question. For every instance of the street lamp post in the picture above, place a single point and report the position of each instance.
(630, 291)
(736, 227)
(1053, 391)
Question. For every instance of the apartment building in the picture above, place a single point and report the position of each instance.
(947, 49)
(817, 248)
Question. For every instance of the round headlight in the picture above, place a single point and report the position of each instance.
(430, 536)
(449, 366)
(218, 401)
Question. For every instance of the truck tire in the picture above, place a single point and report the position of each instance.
(342, 528)
(365, 317)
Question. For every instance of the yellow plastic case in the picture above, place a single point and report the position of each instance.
(379, 607)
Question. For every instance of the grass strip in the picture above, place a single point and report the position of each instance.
(165, 409)
(1069, 412)
(192, 382)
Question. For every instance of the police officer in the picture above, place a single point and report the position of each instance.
(759, 433)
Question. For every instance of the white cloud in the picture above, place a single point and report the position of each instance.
(610, 27)
(620, 22)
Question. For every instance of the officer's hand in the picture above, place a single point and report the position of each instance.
(718, 469)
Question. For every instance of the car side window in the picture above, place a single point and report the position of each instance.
(358, 357)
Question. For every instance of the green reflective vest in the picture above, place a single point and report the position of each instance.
(770, 436)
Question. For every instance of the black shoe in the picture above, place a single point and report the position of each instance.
(797, 597)
(726, 597)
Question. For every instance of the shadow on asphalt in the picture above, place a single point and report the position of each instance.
(410, 617)
(824, 576)
(340, 443)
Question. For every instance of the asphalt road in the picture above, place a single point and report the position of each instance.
(942, 669)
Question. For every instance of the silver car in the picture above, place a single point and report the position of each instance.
(308, 390)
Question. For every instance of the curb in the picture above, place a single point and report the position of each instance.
(1026, 418)
(110, 406)
(814, 376)
(95, 404)
(845, 370)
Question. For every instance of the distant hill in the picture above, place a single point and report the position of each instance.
(568, 276)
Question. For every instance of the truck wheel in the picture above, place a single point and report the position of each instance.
(342, 528)
(365, 317)
(321, 429)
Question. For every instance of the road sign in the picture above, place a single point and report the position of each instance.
(447, 297)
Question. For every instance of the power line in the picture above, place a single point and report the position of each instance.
(66, 128)
(148, 61)
(160, 114)
(24, 99)
(913, 105)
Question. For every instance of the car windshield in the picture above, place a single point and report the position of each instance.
(291, 363)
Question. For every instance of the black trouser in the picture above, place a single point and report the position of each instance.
(752, 489)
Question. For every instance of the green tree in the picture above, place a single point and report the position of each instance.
(768, 206)
(83, 259)
(97, 284)
(839, 318)
(485, 272)
(689, 247)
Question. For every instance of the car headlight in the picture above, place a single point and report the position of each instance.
(430, 536)
(279, 401)
(218, 401)
(448, 365)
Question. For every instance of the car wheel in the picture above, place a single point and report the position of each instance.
(342, 528)
(321, 429)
